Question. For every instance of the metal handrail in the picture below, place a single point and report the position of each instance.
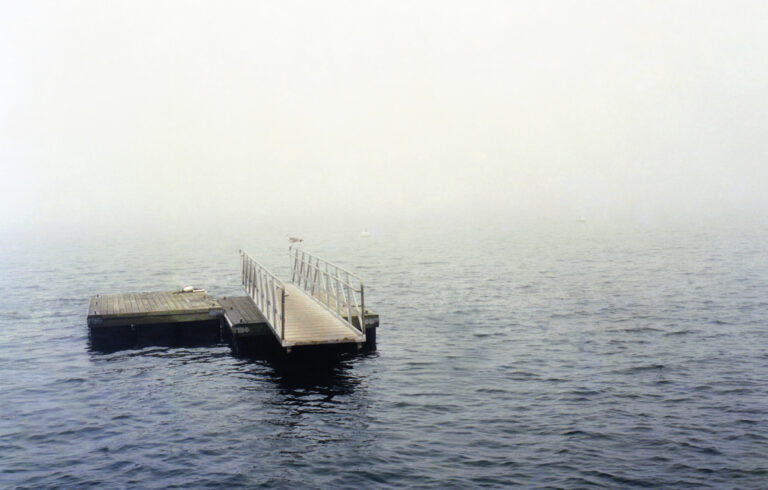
(338, 290)
(266, 290)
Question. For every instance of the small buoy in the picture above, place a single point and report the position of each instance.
(188, 289)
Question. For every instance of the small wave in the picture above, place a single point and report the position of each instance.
(521, 375)
(581, 393)
(80, 431)
(679, 332)
(72, 380)
(623, 480)
(642, 369)
(701, 449)
(639, 329)
(736, 391)
(584, 433)
(564, 316)
(720, 322)
(481, 335)
(492, 391)
(428, 263)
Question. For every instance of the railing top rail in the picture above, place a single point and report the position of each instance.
(338, 278)
(266, 271)
(295, 250)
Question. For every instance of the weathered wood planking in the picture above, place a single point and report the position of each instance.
(241, 310)
(154, 307)
(308, 323)
(243, 321)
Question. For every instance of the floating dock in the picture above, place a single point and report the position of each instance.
(160, 318)
(320, 308)
(244, 327)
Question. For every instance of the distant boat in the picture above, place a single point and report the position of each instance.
(581, 219)
(365, 234)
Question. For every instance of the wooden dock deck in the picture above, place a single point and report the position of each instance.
(295, 315)
(117, 321)
(308, 323)
(155, 307)
(240, 310)
(275, 316)
(246, 329)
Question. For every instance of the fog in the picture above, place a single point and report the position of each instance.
(179, 114)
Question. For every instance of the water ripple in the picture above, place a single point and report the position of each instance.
(544, 359)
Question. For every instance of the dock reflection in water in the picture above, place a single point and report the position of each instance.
(246, 419)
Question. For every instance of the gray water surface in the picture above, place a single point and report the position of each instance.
(565, 357)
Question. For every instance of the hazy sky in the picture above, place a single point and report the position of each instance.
(173, 112)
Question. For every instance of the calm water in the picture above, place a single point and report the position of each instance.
(566, 357)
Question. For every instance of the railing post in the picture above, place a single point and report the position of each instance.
(264, 283)
(282, 313)
(338, 307)
(300, 262)
(273, 309)
(327, 287)
(274, 301)
(252, 286)
(260, 292)
(314, 277)
(362, 309)
(349, 303)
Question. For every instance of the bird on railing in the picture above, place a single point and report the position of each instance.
(294, 239)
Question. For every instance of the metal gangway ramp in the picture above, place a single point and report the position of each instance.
(323, 303)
